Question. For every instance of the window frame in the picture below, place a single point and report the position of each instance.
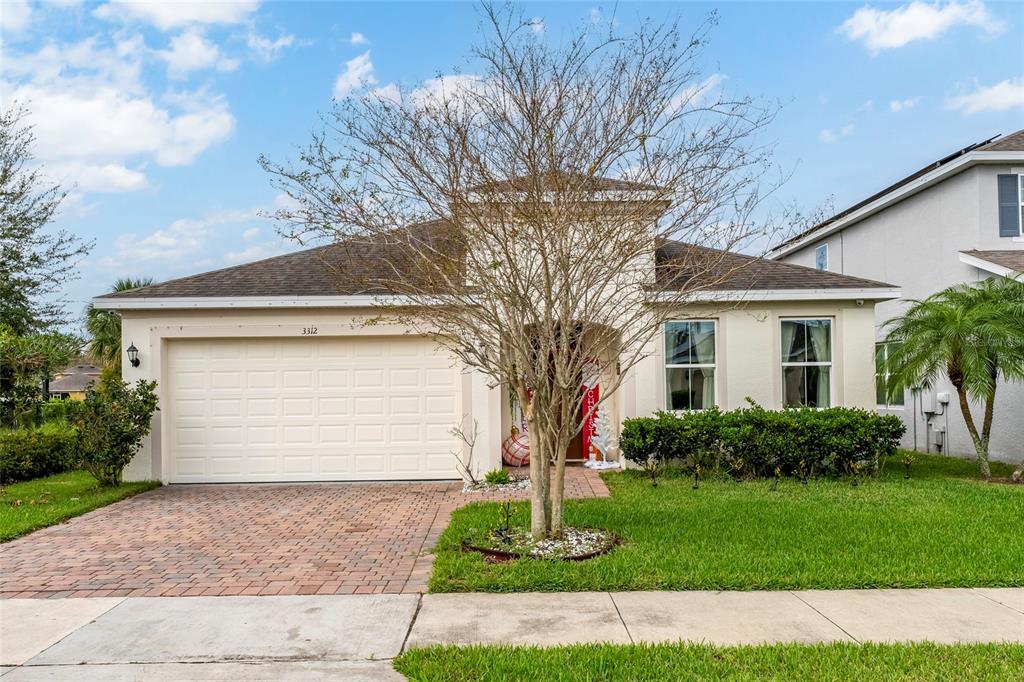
(666, 366)
(1019, 237)
(1020, 206)
(783, 364)
(822, 247)
(885, 375)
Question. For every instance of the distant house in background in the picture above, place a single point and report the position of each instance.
(72, 381)
(959, 219)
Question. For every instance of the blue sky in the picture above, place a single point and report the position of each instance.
(153, 115)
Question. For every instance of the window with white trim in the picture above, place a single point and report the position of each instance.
(821, 257)
(1010, 188)
(807, 362)
(690, 364)
(883, 396)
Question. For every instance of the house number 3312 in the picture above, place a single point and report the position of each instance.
(308, 331)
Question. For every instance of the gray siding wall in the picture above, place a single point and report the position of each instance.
(915, 245)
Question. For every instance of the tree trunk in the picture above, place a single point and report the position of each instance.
(540, 475)
(558, 494)
(980, 444)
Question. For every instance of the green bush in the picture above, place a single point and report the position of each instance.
(754, 442)
(111, 424)
(497, 477)
(57, 411)
(32, 453)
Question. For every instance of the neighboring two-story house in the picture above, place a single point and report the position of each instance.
(959, 219)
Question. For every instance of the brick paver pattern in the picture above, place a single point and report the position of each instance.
(323, 538)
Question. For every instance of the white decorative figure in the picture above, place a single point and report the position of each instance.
(603, 441)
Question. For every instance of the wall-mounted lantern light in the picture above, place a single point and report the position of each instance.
(133, 355)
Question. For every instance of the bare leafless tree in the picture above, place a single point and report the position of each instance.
(554, 208)
(464, 455)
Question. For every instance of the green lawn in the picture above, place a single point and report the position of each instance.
(840, 661)
(30, 505)
(940, 528)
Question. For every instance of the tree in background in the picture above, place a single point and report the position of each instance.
(35, 263)
(104, 328)
(513, 215)
(971, 333)
(27, 361)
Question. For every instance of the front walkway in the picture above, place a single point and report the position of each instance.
(262, 539)
(355, 636)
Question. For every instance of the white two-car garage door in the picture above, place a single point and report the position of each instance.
(310, 409)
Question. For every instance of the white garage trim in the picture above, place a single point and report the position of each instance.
(318, 408)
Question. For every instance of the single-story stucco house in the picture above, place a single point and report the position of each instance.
(266, 371)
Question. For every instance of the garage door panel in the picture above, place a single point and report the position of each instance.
(311, 409)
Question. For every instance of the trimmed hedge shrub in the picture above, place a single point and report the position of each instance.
(31, 453)
(57, 411)
(755, 442)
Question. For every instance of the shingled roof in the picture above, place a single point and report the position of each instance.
(352, 268)
(1011, 260)
(678, 263)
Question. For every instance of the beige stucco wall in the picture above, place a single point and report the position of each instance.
(749, 356)
(748, 353)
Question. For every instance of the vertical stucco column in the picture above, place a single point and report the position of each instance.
(857, 378)
(134, 331)
(483, 404)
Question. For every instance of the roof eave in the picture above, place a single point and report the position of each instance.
(819, 294)
(988, 266)
(897, 195)
(244, 302)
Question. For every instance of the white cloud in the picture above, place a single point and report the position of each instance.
(595, 15)
(868, 105)
(537, 25)
(388, 92)
(16, 16)
(829, 136)
(251, 234)
(442, 87)
(255, 252)
(898, 105)
(887, 29)
(448, 89)
(265, 49)
(97, 125)
(697, 93)
(358, 73)
(169, 14)
(1003, 96)
(358, 39)
(183, 240)
(190, 51)
(96, 177)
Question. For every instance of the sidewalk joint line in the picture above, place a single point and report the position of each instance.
(841, 628)
(84, 625)
(995, 601)
(412, 621)
(621, 619)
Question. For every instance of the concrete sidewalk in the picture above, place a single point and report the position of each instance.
(355, 636)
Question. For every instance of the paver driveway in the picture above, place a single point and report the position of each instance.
(326, 538)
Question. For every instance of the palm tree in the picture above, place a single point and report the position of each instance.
(971, 333)
(104, 327)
